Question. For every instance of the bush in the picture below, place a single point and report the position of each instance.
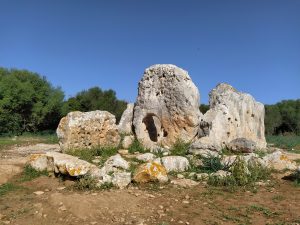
(180, 148)
(212, 164)
(136, 146)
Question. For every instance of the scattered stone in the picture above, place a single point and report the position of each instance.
(175, 163)
(125, 124)
(62, 208)
(150, 171)
(96, 161)
(167, 107)
(146, 157)
(202, 176)
(60, 188)
(121, 179)
(186, 183)
(180, 176)
(123, 152)
(279, 161)
(115, 162)
(221, 174)
(185, 202)
(88, 129)
(38, 192)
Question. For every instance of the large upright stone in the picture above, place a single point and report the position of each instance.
(125, 124)
(167, 107)
(234, 120)
(87, 130)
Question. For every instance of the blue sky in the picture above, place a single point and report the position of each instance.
(253, 45)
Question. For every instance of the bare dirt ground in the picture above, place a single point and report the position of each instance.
(58, 203)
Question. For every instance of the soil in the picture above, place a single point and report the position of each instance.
(59, 203)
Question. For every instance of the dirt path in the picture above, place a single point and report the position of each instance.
(57, 203)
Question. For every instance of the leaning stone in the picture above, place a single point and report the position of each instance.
(175, 163)
(127, 141)
(87, 130)
(150, 171)
(167, 107)
(121, 179)
(186, 183)
(125, 124)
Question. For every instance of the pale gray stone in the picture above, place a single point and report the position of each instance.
(146, 157)
(125, 124)
(167, 107)
(121, 179)
(175, 163)
(127, 141)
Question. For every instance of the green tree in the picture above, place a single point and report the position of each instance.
(28, 102)
(96, 99)
(272, 119)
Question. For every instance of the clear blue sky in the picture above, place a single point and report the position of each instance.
(253, 45)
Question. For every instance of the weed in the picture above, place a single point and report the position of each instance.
(89, 154)
(106, 186)
(180, 148)
(212, 164)
(136, 146)
(30, 173)
(8, 187)
(267, 212)
(85, 183)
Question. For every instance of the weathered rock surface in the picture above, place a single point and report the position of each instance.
(127, 141)
(242, 145)
(233, 116)
(125, 124)
(175, 163)
(150, 171)
(121, 179)
(114, 163)
(146, 157)
(87, 130)
(167, 107)
(61, 163)
(279, 161)
(186, 183)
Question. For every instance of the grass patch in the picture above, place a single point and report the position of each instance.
(8, 187)
(180, 148)
(28, 139)
(212, 164)
(136, 146)
(287, 142)
(89, 154)
(242, 175)
(265, 211)
(88, 183)
(30, 173)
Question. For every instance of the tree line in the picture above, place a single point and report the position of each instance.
(29, 103)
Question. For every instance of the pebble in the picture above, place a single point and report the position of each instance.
(185, 202)
(93, 223)
(62, 208)
(60, 188)
(180, 176)
(39, 192)
(151, 196)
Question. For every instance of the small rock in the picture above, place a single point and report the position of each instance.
(39, 192)
(184, 183)
(185, 202)
(62, 208)
(180, 176)
(146, 157)
(123, 152)
(221, 174)
(93, 223)
(96, 161)
(60, 188)
(175, 163)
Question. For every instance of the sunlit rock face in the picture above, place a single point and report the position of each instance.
(234, 120)
(167, 107)
(88, 130)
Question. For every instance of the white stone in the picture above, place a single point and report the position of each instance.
(127, 141)
(175, 163)
(232, 116)
(167, 107)
(146, 157)
(186, 183)
(121, 179)
(125, 124)
(221, 174)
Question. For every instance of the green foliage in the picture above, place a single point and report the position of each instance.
(96, 99)
(283, 117)
(266, 212)
(288, 142)
(242, 175)
(28, 102)
(212, 164)
(204, 108)
(86, 183)
(8, 187)
(89, 154)
(180, 148)
(136, 146)
(30, 173)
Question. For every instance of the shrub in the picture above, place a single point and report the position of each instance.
(136, 146)
(212, 164)
(180, 148)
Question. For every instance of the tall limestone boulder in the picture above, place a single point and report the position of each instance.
(125, 124)
(87, 130)
(167, 107)
(235, 120)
